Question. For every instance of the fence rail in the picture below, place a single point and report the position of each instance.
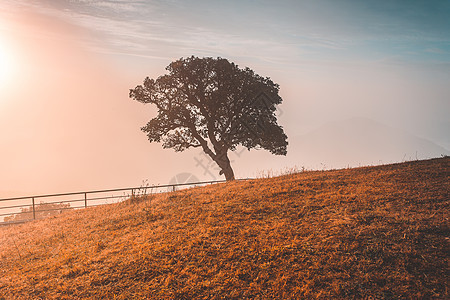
(30, 209)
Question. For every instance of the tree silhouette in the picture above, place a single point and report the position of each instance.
(213, 104)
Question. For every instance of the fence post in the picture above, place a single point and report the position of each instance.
(85, 200)
(34, 209)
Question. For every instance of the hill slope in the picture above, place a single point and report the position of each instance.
(377, 231)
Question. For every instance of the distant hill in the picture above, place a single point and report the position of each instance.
(375, 232)
(348, 143)
(359, 142)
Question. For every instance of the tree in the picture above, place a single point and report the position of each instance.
(213, 104)
(42, 210)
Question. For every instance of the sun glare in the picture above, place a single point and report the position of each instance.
(6, 65)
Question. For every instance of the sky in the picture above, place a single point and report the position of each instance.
(66, 67)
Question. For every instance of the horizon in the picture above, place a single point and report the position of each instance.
(67, 123)
(22, 209)
(169, 187)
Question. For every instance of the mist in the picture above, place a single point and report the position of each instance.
(67, 123)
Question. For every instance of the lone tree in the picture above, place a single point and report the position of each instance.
(213, 104)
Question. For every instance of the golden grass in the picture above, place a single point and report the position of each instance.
(380, 232)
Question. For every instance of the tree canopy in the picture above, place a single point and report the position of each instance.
(213, 104)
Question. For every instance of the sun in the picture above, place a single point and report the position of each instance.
(6, 65)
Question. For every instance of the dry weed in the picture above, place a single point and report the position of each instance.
(375, 232)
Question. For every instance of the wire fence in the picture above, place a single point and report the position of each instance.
(22, 209)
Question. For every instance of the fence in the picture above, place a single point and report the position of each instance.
(23, 209)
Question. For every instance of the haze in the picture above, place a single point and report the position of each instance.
(363, 82)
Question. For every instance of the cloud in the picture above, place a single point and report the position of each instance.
(141, 28)
(436, 51)
(282, 32)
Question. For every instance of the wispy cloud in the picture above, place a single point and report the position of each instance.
(287, 31)
(437, 51)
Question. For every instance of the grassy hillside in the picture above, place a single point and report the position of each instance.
(380, 231)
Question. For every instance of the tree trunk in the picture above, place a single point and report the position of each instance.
(229, 174)
(225, 166)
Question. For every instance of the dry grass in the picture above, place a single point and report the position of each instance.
(376, 232)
